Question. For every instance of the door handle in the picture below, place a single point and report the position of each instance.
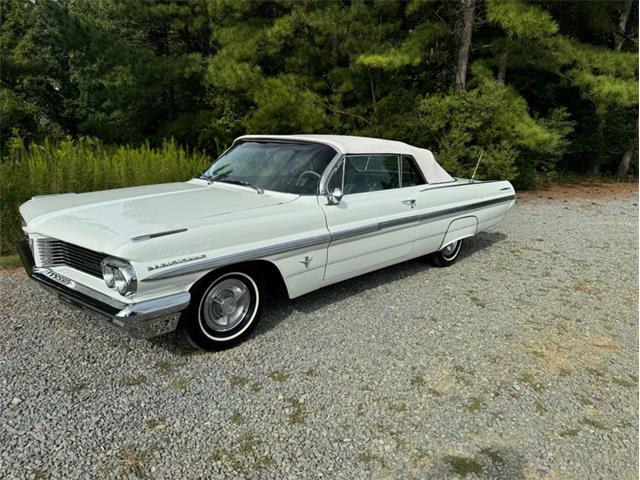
(411, 203)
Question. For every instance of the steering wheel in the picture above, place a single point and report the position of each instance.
(307, 172)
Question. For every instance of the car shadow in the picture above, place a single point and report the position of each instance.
(339, 291)
(280, 308)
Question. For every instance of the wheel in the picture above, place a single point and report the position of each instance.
(447, 255)
(224, 308)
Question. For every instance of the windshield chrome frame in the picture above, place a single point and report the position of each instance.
(325, 174)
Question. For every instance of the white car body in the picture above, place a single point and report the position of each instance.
(173, 234)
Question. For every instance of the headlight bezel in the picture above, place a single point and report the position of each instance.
(119, 275)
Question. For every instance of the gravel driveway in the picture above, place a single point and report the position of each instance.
(519, 362)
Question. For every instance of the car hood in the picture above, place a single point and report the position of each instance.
(105, 220)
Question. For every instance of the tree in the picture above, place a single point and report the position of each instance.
(464, 30)
(620, 34)
(555, 83)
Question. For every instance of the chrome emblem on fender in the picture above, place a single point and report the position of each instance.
(179, 261)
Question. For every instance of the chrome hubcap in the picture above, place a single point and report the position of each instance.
(450, 250)
(226, 305)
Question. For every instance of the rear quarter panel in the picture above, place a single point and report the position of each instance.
(433, 233)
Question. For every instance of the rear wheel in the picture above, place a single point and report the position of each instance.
(447, 255)
(224, 309)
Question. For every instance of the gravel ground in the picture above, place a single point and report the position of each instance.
(519, 362)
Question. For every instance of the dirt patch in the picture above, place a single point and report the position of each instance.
(581, 190)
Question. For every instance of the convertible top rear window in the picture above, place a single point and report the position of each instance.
(278, 166)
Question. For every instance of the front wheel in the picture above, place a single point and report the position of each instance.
(447, 255)
(224, 308)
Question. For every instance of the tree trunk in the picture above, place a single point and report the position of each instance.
(623, 167)
(625, 162)
(502, 67)
(373, 92)
(464, 28)
(620, 35)
(596, 159)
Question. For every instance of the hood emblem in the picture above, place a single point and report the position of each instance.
(306, 261)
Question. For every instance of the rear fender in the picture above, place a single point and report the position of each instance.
(460, 228)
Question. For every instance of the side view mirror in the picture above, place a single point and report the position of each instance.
(335, 196)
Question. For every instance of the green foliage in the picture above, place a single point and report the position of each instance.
(136, 72)
(520, 19)
(409, 52)
(283, 105)
(83, 165)
(604, 76)
(493, 119)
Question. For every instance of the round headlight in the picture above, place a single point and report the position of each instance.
(107, 274)
(119, 275)
(119, 282)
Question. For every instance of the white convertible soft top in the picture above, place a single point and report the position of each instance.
(344, 144)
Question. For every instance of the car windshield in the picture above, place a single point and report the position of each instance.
(282, 167)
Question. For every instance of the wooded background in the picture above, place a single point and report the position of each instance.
(541, 87)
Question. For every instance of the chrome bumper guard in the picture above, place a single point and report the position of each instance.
(144, 319)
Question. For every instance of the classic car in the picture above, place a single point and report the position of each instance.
(296, 212)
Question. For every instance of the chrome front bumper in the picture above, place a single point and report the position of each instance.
(144, 319)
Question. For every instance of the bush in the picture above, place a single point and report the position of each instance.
(83, 165)
(492, 118)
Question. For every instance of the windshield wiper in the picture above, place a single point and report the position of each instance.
(202, 176)
(239, 182)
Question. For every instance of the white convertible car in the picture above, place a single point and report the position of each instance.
(297, 212)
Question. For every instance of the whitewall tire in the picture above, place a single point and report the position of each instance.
(447, 255)
(225, 307)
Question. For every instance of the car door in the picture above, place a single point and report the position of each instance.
(373, 225)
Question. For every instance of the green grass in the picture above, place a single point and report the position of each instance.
(278, 376)
(623, 383)
(83, 165)
(463, 466)
(10, 261)
(473, 405)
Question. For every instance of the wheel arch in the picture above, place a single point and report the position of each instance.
(459, 229)
(273, 280)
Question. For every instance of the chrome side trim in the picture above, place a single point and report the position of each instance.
(436, 186)
(353, 232)
(211, 263)
(422, 218)
(398, 221)
(465, 208)
(149, 236)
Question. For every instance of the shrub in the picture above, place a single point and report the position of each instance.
(83, 165)
(494, 119)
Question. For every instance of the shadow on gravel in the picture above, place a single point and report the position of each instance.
(279, 309)
(479, 242)
(175, 344)
(499, 463)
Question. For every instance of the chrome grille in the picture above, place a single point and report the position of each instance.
(53, 252)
